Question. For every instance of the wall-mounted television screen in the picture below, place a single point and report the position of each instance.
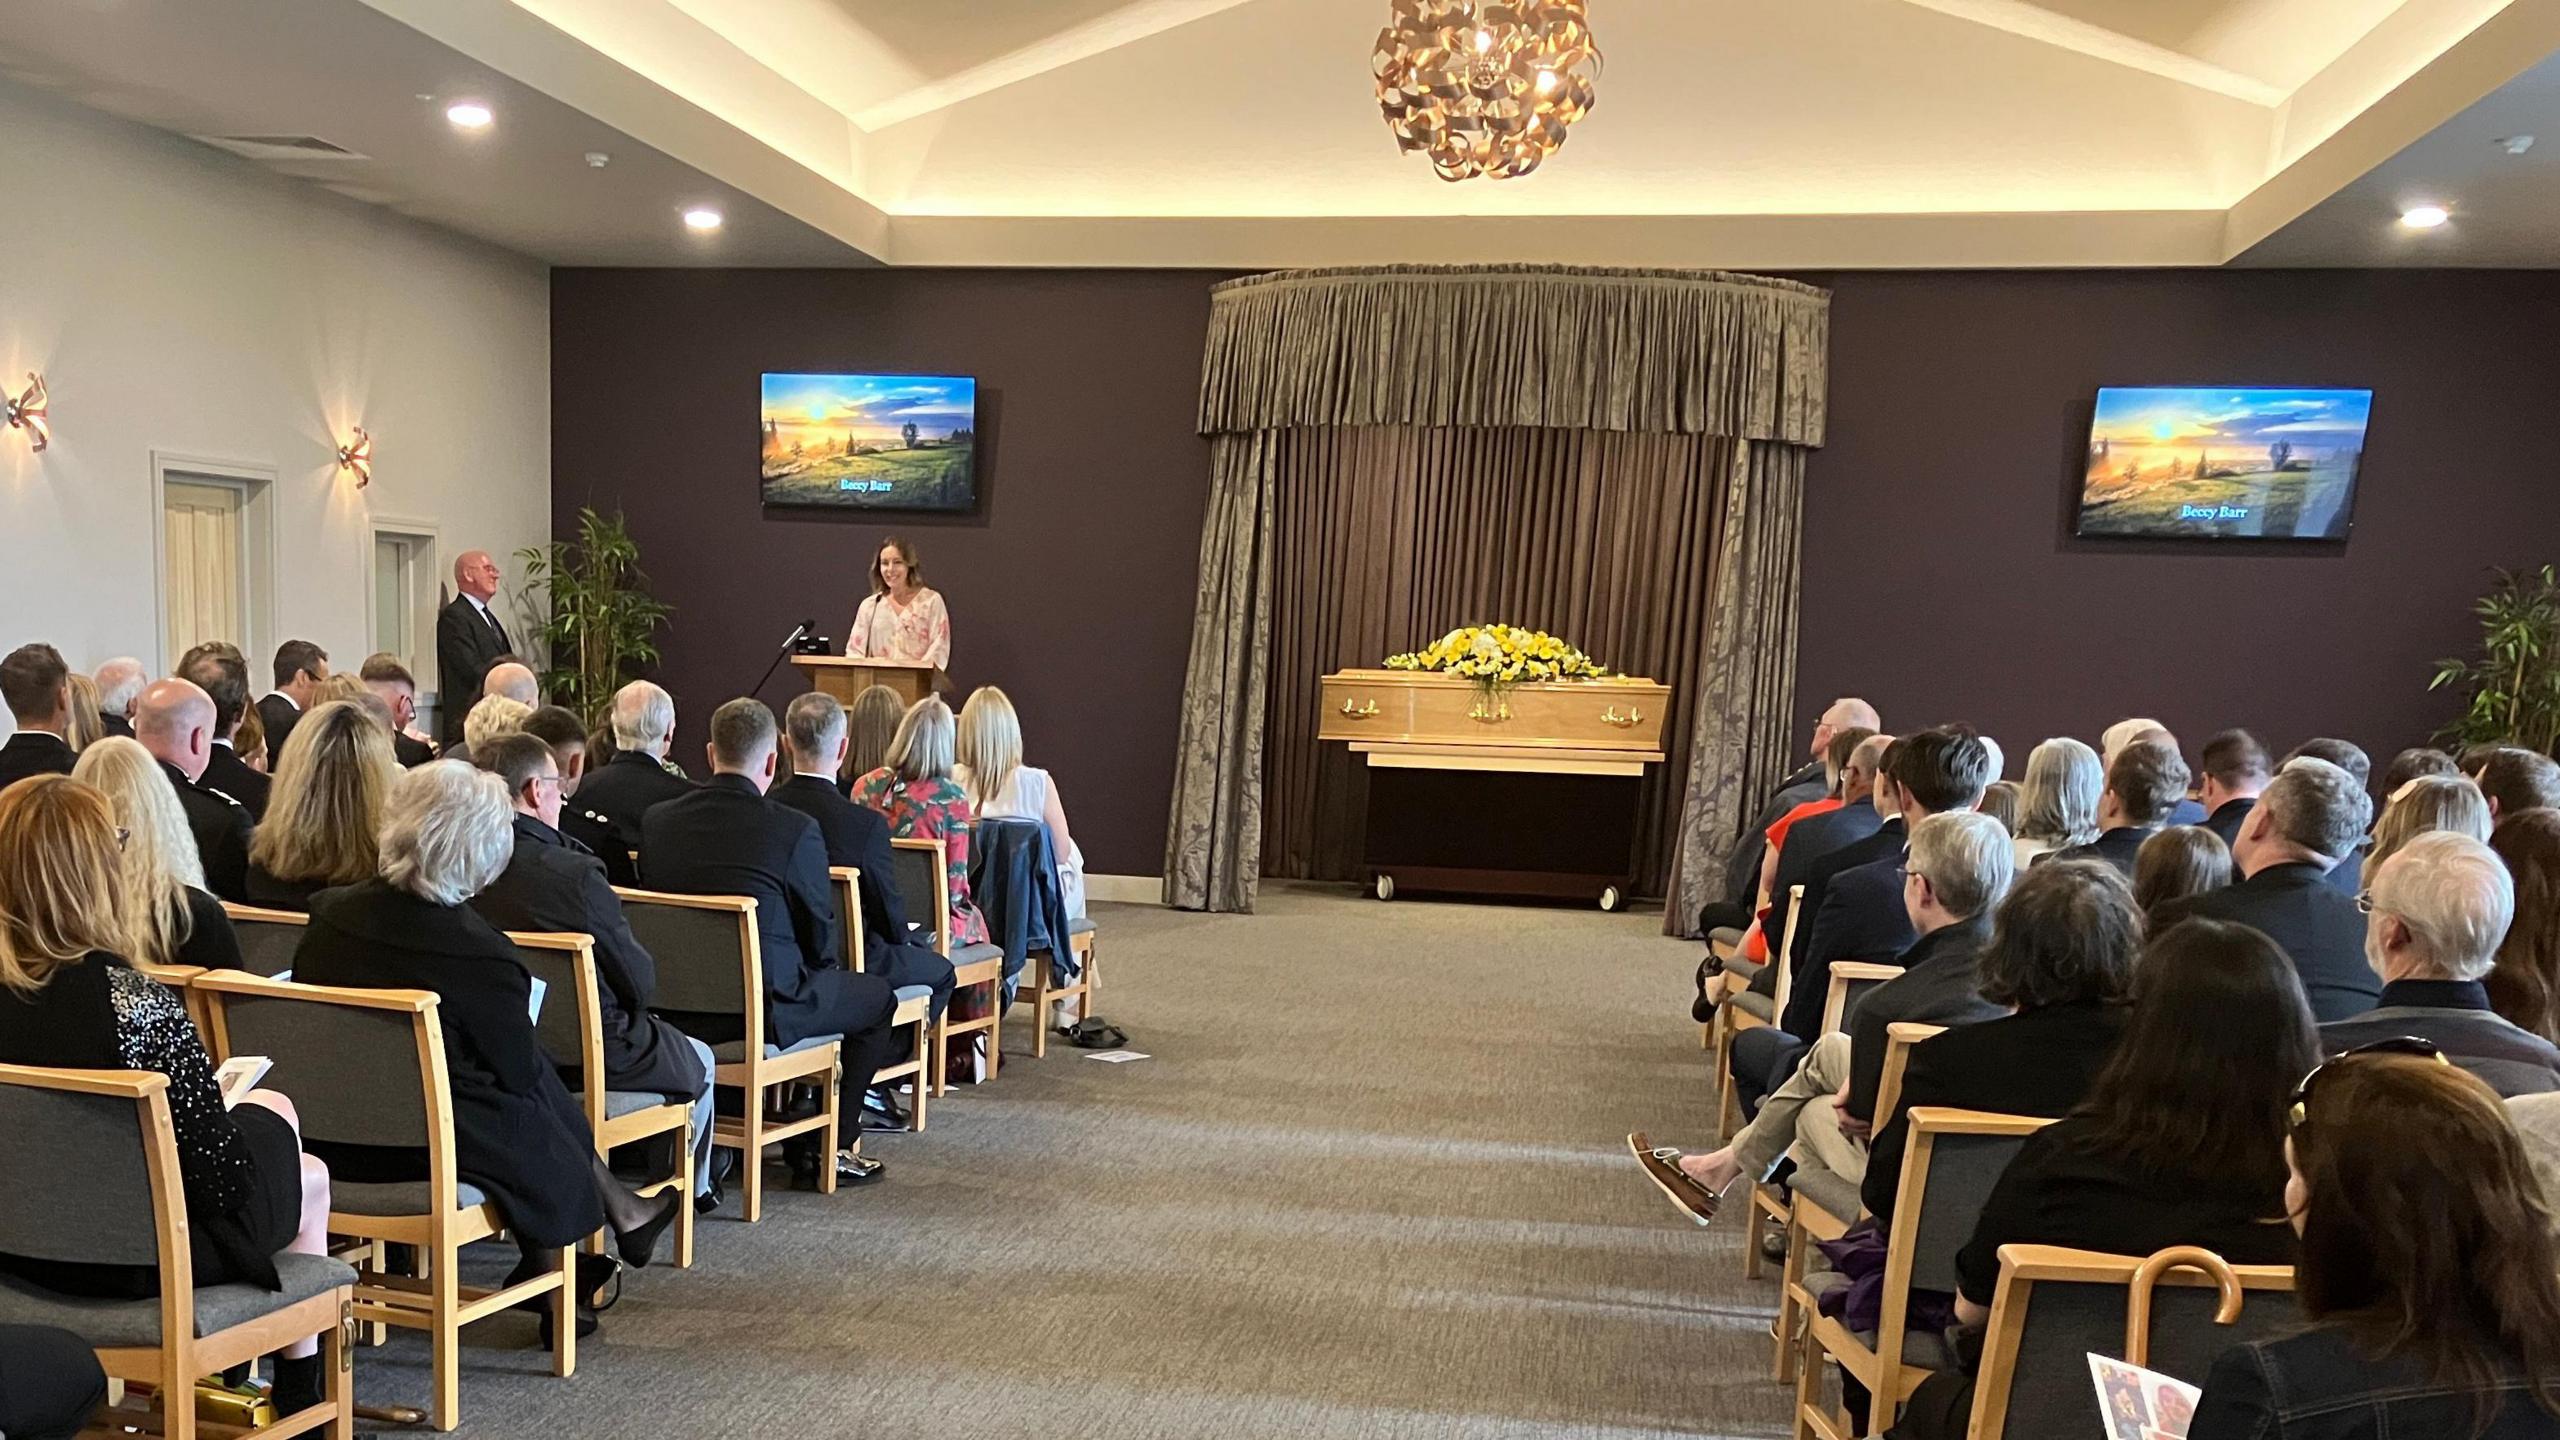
(2224, 464)
(871, 442)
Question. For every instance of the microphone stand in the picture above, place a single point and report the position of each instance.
(797, 631)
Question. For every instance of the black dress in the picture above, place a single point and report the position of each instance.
(241, 1169)
(267, 892)
(517, 1132)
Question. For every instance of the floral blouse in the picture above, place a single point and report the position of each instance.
(916, 633)
(931, 810)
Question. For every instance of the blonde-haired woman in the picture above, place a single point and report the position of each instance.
(1000, 787)
(921, 801)
(68, 1000)
(870, 725)
(326, 808)
(901, 620)
(171, 918)
(2430, 802)
(88, 725)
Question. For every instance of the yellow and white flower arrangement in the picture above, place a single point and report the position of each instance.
(1499, 656)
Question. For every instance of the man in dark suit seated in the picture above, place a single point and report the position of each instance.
(2061, 957)
(224, 679)
(386, 677)
(553, 884)
(2145, 782)
(2441, 906)
(2347, 876)
(1809, 782)
(612, 797)
(36, 685)
(119, 683)
(469, 639)
(174, 721)
(2235, 774)
(2516, 779)
(726, 838)
(1960, 866)
(299, 667)
(2310, 814)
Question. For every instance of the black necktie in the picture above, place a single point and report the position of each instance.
(492, 617)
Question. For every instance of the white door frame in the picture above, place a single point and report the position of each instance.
(406, 527)
(257, 485)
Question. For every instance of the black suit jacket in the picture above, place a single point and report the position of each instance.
(117, 726)
(605, 814)
(1862, 918)
(858, 836)
(1742, 869)
(410, 751)
(552, 884)
(221, 826)
(723, 838)
(1885, 842)
(2116, 847)
(2226, 817)
(2455, 1016)
(35, 752)
(279, 715)
(2037, 1062)
(1939, 985)
(227, 772)
(467, 644)
(2319, 927)
(1808, 841)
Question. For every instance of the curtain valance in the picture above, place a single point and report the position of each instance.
(1687, 352)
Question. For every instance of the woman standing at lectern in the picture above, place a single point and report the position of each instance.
(902, 620)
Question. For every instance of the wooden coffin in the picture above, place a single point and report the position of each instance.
(1408, 710)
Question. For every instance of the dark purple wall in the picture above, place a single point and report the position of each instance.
(1940, 579)
(1071, 588)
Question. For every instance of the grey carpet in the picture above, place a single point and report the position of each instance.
(1372, 1184)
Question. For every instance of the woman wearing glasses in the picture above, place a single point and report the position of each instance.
(2427, 1270)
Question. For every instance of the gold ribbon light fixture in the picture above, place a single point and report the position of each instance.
(26, 411)
(1482, 88)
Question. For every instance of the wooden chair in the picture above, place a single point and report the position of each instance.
(1044, 990)
(1953, 1159)
(1745, 1010)
(1040, 973)
(1849, 982)
(710, 962)
(924, 886)
(367, 1067)
(915, 1002)
(92, 1162)
(1724, 943)
(571, 1028)
(1823, 1205)
(2055, 1307)
(268, 938)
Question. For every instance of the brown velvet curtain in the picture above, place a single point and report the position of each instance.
(1384, 537)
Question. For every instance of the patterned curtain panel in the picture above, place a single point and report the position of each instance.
(1613, 455)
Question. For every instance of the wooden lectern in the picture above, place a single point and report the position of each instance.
(844, 677)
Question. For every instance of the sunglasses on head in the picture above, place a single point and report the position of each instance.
(2396, 1045)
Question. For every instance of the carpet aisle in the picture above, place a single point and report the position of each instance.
(1372, 1185)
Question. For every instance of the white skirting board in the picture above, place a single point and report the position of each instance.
(1125, 889)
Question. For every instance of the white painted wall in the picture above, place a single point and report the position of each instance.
(179, 300)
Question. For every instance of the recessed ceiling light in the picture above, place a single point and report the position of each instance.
(2424, 217)
(468, 114)
(702, 217)
(597, 159)
(2515, 144)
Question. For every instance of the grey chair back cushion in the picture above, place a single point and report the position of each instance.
(352, 1072)
(267, 946)
(697, 954)
(1858, 990)
(73, 1181)
(2052, 1394)
(1962, 1170)
(558, 1027)
(912, 873)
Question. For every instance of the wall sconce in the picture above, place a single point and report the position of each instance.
(357, 455)
(26, 411)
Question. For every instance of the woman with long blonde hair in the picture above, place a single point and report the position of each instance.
(68, 1001)
(1000, 787)
(2430, 802)
(167, 914)
(88, 724)
(325, 810)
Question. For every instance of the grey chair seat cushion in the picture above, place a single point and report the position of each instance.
(1926, 1349)
(906, 993)
(618, 1103)
(1724, 935)
(1747, 969)
(1754, 1003)
(730, 1052)
(972, 954)
(137, 1322)
(1080, 926)
(1834, 1193)
(406, 1197)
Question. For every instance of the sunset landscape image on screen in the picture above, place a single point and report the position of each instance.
(892, 442)
(2276, 464)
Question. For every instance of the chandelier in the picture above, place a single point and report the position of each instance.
(1484, 88)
